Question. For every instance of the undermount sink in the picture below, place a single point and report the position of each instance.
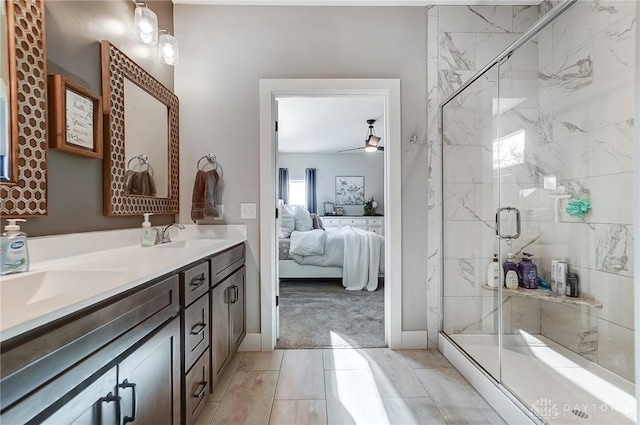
(189, 243)
(19, 291)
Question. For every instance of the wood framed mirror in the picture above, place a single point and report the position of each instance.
(121, 78)
(23, 104)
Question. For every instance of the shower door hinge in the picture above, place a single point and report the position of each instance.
(276, 126)
(277, 300)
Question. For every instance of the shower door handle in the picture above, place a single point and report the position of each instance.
(499, 219)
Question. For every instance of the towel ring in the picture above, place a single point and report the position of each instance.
(211, 159)
(142, 159)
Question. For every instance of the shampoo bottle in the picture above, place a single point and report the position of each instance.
(14, 254)
(511, 279)
(148, 237)
(529, 272)
(493, 273)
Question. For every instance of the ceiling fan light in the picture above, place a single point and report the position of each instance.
(370, 149)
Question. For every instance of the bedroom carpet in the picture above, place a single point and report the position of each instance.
(322, 314)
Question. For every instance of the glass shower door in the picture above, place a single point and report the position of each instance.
(470, 198)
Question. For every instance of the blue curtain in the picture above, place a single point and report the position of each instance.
(310, 180)
(283, 185)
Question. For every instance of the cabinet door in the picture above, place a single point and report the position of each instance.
(149, 379)
(95, 405)
(220, 325)
(237, 307)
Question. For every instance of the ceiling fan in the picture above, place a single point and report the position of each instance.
(371, 142)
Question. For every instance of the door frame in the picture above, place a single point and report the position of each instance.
(270, 89)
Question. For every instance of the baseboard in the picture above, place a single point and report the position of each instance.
(251, 342)
(502, 403)
(414, 340)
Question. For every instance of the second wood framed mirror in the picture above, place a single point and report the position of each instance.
(140, 121)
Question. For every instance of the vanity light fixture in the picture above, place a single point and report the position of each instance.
(168, 48)
(145, 24)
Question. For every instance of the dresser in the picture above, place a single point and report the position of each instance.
(373, 224)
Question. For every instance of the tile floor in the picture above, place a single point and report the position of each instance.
(345, 386)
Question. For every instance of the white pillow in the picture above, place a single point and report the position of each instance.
(288, 223)
(302, 219)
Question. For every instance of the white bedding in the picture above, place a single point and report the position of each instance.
(304, 244)
(358, 252)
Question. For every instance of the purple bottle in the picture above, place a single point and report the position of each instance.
(528, 272)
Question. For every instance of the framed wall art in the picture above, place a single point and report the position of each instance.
(349, 190)
(75, 118)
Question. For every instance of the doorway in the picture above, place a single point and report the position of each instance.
(326, 173)
(389, 91)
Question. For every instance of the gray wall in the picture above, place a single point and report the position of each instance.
(73, 32)
(226, 50)
(330, 165)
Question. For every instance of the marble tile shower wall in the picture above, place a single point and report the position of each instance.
(461, 41)
(574, 85)
(586, 86)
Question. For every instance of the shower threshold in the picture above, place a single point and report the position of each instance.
(560, 386)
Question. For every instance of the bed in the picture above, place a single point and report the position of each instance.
(354, 255)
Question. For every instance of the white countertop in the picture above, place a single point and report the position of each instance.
(71, 272)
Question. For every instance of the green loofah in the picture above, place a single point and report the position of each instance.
(578, 207)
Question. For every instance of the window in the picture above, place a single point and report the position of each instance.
(509, 150)
(297, 192)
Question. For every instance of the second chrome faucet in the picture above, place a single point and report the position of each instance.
(164, 236)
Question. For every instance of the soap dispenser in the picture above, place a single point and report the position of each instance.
(529, 272)
(148, 237)
(511, 276)
(14, 253)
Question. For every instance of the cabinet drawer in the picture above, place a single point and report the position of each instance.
(194, 283)
(374, 221)
(353, 222)
(195, 330)
(375, 229)
(226, 262)
(330, 222)
(197, 389)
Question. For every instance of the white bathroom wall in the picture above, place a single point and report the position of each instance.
(587, 107)
(329, 165)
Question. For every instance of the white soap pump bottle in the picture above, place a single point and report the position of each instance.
(493, 273)
(148, 237)
(14, 253)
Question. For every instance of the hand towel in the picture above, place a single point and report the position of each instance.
(203, 199)
(139, 183)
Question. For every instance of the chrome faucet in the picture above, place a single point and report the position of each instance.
(163, 236)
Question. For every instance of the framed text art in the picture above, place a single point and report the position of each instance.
(75, 118)
(349, 190)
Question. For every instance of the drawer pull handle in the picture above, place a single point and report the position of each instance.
(134, 401)
(196, 282)
(108, 399)
(201, 391)
(200, 328)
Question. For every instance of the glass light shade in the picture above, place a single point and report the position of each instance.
(145, 24)
(372, 144)
(168, 49)
(370, 149)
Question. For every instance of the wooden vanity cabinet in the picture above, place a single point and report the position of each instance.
(120, 357)
(228, 308)
(195, 317)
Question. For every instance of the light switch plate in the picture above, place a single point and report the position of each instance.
(248, 210)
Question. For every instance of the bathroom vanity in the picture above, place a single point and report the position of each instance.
(127, 334)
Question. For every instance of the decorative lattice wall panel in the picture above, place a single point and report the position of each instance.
(27, 195)
(116, 67)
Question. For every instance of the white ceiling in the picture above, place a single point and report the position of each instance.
(358, 2)
(327, 124)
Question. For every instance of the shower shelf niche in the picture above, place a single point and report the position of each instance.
(547, 295)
